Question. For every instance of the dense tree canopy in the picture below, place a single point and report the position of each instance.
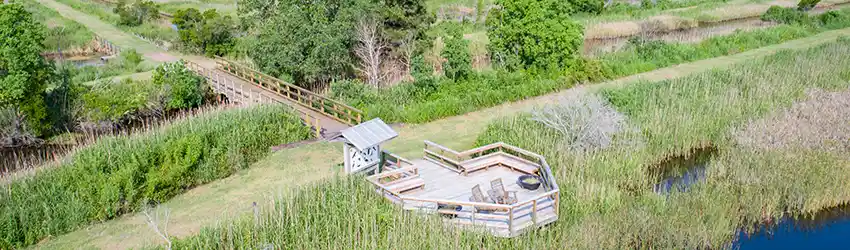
(136, 12)
(533, 34)
(24, 74)
(208, 32)
(311, 42)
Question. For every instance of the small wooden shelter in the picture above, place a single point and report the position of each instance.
(362, 145)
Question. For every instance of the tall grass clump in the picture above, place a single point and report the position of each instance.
(118, 174)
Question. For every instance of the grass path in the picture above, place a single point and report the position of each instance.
(290, 168)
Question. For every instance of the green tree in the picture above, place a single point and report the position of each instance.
(208, 32)
(137, 12)
(458, 64)
(181, 87)
(404, 18)
(24, 74)
(534, 34)
(310, 41)
(806, 5)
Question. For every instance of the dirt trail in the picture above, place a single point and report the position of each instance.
(294, 167)
(153, 53)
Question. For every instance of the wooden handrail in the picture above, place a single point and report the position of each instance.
(207, 74)
(453, 202)
(397, 171)
(306, 98)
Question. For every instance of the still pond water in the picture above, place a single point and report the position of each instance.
(827, 229)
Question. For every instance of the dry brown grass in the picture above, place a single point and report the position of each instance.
(820, 123)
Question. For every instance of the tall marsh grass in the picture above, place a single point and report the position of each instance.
(118, 174)
(607, 199)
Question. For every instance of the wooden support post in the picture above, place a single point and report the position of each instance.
(534, 212)
(511, 221)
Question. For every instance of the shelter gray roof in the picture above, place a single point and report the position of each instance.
(368, 134)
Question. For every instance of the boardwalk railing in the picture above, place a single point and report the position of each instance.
(306, 98)
(237, 93)
(513, 217)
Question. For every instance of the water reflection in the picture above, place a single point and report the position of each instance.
(827, 229)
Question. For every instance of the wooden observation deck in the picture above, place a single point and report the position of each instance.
(443, 183)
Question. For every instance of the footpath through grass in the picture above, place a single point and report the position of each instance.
(607, 200)
(291, 168)
(119, 174)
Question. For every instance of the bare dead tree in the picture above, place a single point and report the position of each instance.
(407, 48)
(370, 49)
(153, 222)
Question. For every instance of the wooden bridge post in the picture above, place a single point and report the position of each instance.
(511, 221)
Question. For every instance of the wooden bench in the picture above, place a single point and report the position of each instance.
(479, 163)
(507, 160)
(519, 164)
(405, 184)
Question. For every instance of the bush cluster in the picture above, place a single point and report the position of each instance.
(117, 175)
(137, 12)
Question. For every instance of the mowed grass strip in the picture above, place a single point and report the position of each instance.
(119, 174)
(607, 199)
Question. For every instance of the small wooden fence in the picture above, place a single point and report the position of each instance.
(319, 103)
(512, 219)
(237, 93)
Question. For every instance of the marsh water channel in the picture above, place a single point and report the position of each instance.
(705, 30)
(826, 229)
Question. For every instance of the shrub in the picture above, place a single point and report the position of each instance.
(117, 174)
(534, 34)
(458, 61)
(806, 5)
(137, 12)
(208, 32)
(586, 122)
(181, 87)
(588, 6)
(116, 102)
(784, 15)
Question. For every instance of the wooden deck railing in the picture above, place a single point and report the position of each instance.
(500, 216)
(237, 93)
(453, 159)
(306, 98)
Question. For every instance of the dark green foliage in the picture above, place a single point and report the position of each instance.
(588, 6)
(458, 60)
(534, 34)
(406, 18)
(116, 102)
(24, 74)
(181, 87)
(806, 5)
(310, 41)
(784, 15)
(420, 69)
(137, 12)
(117, 174)
(208, 32)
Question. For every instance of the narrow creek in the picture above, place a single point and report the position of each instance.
(706, 30)
(827, 229)
(681, 172)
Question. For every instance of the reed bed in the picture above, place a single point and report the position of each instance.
(119, 174)
(607, 199)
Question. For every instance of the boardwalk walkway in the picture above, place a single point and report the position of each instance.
(243, 91)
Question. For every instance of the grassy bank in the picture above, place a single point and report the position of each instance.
(430, 99)
(62, 33)
(607, 200)
(119, 174)
(149, 30)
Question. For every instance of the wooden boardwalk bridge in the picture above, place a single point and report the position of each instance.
(241, 84)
